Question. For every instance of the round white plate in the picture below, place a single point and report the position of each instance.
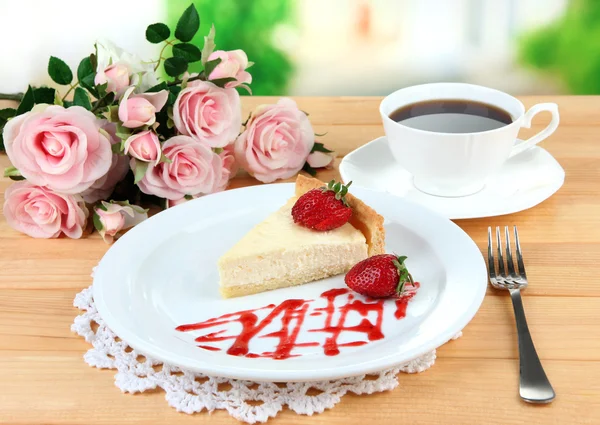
(163, 273)
(523, 182)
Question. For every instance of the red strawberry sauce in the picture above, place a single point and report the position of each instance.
(291, 314)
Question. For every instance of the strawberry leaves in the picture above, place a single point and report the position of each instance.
(339, 189)
(404, 275)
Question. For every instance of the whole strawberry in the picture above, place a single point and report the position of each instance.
(379, 276)
(324, 208)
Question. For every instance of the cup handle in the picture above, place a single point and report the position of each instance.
(551, 128)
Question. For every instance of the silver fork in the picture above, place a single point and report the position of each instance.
(534, 386)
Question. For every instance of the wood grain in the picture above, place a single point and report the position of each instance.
(475, 378)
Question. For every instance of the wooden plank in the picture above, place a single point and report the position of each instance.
(61, 389)
(475, 377)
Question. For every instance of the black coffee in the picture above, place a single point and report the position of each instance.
(452, 116)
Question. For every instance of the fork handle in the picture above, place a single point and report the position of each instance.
(534, 386)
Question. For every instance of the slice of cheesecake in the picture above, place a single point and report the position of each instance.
(278, 253)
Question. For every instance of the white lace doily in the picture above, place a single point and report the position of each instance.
(192, 392)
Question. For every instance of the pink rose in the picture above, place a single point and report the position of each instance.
(140, 109)
(116, 216)
(144, 146)
(41, 213)
(320, 159)
(104, 186)
(276, 142)
(194, 169)
(233, 65)
(208, 113)
(63, 149)
(116, 76)
(228, 170)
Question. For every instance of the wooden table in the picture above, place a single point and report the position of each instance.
(474, 381)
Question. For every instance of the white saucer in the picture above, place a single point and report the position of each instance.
(523, 182)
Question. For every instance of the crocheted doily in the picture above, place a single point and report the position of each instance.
(192, 392)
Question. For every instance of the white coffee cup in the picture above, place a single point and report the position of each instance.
(458, 164)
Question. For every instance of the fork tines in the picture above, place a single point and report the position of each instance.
(507, 275)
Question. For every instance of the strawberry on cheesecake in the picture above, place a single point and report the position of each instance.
(320, 232)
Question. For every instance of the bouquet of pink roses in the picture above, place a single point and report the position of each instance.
(119, 139)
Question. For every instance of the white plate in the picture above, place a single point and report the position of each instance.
(523, 182)
(163, 274)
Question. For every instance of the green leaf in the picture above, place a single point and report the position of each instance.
(85, 68)
(113, 113)
(67, 103)
(106, 100)
(57, 99)
(173, 93)
(86, 73)
(157, 33)
(94, 61)
(139, 171)
(187, 51)
(116, 148)
(209, 45)
(175, 66)
(27, 102)
(97, 223)
(188, 197)
(123, 136)
(188, 24)
(220, 82)
(2, 149)
(102, 206)
(320, 147)
(122, 132)
(88, 83)
(310, 170)
(101, 89)
(59, 71)
(80, 98)
(401, 259)
(163, 158)
(210, 66)
(7, 113)
(157, 88)
(44, 95)
(11, 172)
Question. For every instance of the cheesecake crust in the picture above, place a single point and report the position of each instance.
(364, 218)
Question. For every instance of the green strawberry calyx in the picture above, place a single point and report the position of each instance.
(403, 273)
(339, 189)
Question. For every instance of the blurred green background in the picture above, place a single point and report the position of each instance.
(568, 48)
(336, 47)
(369, 47)
(246, 25)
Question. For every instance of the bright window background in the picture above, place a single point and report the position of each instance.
(334, 47)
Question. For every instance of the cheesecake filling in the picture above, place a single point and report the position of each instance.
(293, 265)
(277, 253)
